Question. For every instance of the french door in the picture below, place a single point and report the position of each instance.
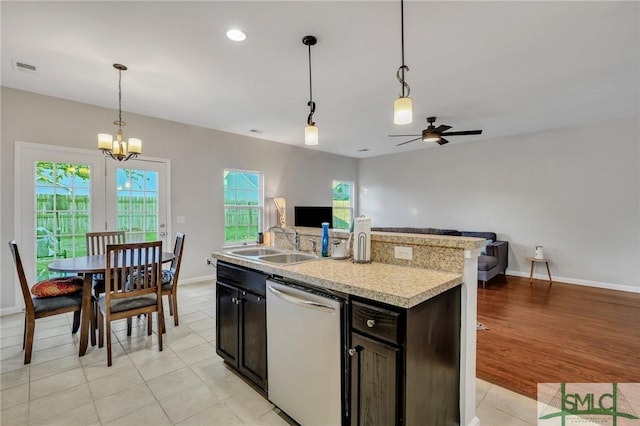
(62, 193)
(137, 200)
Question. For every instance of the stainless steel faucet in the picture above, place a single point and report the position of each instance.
(296, 235)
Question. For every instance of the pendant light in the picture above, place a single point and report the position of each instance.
(118, 149)
(403, 106)
(311, 131)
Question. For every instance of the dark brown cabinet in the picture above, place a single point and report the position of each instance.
(241, 321)
(373, 382)
(405, 362)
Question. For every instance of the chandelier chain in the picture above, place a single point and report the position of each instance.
(120, 99)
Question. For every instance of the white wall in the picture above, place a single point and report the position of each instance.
(198, 158)
(576, 191)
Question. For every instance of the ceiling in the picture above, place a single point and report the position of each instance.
(505, 67)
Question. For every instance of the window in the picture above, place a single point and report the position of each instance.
(62, 192)
(243, 205)
(342, 204)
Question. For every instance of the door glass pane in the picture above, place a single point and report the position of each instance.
(137, 204)
(62, 192)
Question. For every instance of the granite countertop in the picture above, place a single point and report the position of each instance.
(396, 285)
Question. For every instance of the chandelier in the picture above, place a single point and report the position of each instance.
(117, 148)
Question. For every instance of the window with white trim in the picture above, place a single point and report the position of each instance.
(243, 205)
(343, 204)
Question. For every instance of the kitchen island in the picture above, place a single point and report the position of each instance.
(425, 307)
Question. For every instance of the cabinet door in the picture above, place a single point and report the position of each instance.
(374, 387)
(253, 338)
(227, 321)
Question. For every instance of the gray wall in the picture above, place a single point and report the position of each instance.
(198, 157)
(576, 191)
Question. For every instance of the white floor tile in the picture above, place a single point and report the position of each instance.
(188, 403)
(186, 383)
(125, 402)
(150, 415)
(56, 383)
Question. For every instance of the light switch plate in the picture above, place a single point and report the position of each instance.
(403, 252)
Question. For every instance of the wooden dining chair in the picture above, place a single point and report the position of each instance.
(53, 296)
(133, 286)
(170, 278)
(97, 244)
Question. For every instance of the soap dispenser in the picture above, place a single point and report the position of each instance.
(325, 239)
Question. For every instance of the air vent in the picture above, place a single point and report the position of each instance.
(23, 66)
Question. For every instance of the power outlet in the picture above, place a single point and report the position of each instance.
(403, 252)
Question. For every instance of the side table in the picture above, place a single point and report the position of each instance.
(533, 262)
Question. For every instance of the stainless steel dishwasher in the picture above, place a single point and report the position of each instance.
(306, 352)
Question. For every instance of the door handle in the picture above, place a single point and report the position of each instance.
(162, 234)
(301, 302)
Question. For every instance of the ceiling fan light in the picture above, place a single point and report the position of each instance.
(311, 135)
(403, 111)
(428, 136)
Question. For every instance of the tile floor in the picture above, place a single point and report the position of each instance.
(185, 384)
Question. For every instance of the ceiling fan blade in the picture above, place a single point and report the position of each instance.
(442, 128)
(404, 136)
(408, 141)
(442, 141)
(464, 132)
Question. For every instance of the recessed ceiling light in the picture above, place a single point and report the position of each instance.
(236, 35)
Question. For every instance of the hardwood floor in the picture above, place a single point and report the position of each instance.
(563, 333)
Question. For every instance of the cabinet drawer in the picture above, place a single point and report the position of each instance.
(244, 279)
(375, 321)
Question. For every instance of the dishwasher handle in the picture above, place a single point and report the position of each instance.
(301, 302)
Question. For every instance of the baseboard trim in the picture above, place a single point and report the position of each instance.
(576, 281)
(9, 311)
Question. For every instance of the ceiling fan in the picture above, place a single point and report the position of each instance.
(435, 134)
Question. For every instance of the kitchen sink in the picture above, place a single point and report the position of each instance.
(288, 257)
(273, 255)
(255, 251)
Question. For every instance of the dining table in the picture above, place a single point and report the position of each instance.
(87, 266)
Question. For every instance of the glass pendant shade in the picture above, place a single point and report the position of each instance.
(311, 135)
(105, 141)
(135, 145)
(402, 111)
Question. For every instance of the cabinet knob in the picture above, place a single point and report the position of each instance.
(352, 351)
(371, 323)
